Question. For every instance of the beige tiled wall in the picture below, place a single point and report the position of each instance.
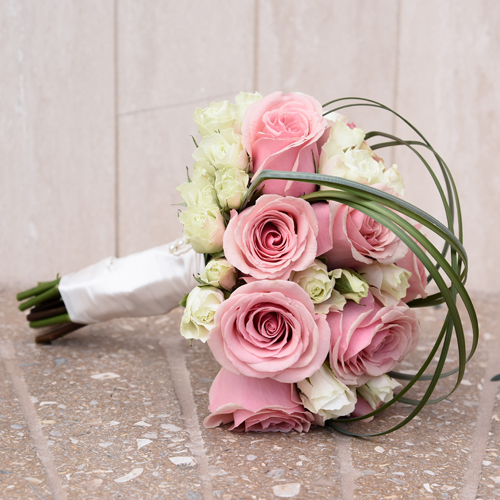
(57, 133)
(97, 97)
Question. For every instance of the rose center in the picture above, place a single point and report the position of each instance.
(282, 124)
(272, 326)
(372, 231)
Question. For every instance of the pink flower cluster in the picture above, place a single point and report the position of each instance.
(267, 335)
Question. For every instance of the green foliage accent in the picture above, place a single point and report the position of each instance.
(447, 267)
(217, 255)
(183, 301)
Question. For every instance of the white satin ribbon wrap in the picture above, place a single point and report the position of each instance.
(147, 283)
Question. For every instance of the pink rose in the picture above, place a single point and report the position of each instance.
(284, 132)
(361, 409)
(418, 278)
(255, 404)
(350, 239)
(269, 329)
(369, 340)
(273, 238)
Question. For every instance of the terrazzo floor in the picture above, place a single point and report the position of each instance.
(116, 410)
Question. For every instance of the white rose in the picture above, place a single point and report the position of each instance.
(198, 192)
(198, 318)
(231, 186)
(378, 390)
(243, 100)
(326, 396)
(220, 273)
(342, 138)
(204, 228)
(346, 155)
(203, 169)
(318, 282)
(356, 165)
(351, 285)
(222, 149)
(390, 282)
(393, 179)
(218, 116)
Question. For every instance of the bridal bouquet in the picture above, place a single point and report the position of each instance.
(301, 267)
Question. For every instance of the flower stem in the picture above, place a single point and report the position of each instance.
(46, 338)
(51, 293)
(49, 304)
(54, 320)
(50, 313)
(42, 286)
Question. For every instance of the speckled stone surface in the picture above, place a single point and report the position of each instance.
(116, 410)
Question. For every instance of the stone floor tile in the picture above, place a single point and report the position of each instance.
(256, 463)
(21, 473)
(118, 399)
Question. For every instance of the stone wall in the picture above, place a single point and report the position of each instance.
(97, 99)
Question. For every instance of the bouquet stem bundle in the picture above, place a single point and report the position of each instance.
(47, 310)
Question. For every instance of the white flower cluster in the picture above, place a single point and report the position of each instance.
(220, 177)
(346, 155)
(328, 398)
(219, 183)
(329, 290)
(202, 302)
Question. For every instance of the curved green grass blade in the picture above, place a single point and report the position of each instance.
(380, 206)
(392, 213)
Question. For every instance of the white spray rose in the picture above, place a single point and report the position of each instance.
(204, 170)
(352, 286)
(198, 319)
(393, 179)
(390, 282)
(378, 390)
(325, 395)
(319, 283)
(218, 116)
(204, 228)
(356, 165)
(243, 100)
(342, 138)
(346, 155)
(220, 273)
(198, 192)
(231, 186)
(222, 149)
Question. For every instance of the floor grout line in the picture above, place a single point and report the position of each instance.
(482, 427)
(8, 355)
(347, 474)
(174, 354)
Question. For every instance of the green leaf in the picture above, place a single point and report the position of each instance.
(183, 301)
(496, 378)
(218, 255)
